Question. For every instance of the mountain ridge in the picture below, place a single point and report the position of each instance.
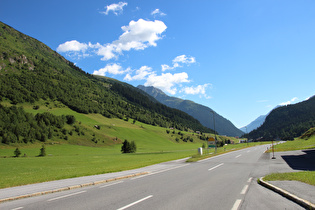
(287, 122)
(200, 112)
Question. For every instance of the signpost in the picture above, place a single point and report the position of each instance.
(211, 142)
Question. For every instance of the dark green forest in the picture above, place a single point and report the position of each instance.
(287, 122)
(30, 71)
(18, 126)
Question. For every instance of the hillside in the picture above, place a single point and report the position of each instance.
(198, 111)
(287, 122)
(30, 71)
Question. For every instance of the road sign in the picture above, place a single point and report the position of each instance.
(211, 145)
(211, 139)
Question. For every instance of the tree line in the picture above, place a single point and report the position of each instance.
(18, 126)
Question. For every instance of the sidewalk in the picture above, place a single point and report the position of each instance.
(293, 161)
(14, 193)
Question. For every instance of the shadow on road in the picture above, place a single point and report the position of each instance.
(304, 162)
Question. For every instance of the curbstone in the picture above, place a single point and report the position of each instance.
(296, 199)
(70, 187)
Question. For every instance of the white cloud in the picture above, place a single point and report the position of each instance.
(157, 12)
(111, 69)
(166, 82)
(288, 102)
(200, 89)
(115, 8)
(138, 35)
(184, 59)
(73, 45)
(141, 74)
(176, 62)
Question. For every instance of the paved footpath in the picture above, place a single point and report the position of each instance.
(293, 161)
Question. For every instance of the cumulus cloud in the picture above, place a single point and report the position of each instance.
(73, 45)
(111, 69)
(166, 82)
(198, 90)
(115, 8)
(184, 59)
(140, 74)
(181, 59)
(288, 102)
(157, 12)
(138, 35)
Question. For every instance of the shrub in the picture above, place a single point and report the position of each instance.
(17, 152)
(42, 151)
(128, 147)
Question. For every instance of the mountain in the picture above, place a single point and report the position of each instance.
(287, 122)
(202, 113)
(30, 71)
(256, 123)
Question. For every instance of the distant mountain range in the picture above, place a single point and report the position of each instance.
(202, 113)
(256, 123)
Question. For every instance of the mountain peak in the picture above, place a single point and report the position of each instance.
(200, 112)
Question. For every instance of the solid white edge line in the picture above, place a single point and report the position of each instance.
(244, 190)
(215, 167)
(236, 204)
(136, 202)
(111, 184)
(66, 195)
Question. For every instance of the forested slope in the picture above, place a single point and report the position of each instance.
(30, 71)
(287, 122)
(202, 113)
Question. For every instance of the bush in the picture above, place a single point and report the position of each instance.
(17, 152)
(128, 147)
(42, 151)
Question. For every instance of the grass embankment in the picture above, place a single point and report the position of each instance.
(80, 156)
(306, 141)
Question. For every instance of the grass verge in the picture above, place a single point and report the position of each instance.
(307, 177)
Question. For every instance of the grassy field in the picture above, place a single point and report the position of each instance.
(79, 156)
(298, 144)
(66, 161)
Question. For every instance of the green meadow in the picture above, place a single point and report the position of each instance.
(90, 151)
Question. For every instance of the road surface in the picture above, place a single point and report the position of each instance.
(226, 181)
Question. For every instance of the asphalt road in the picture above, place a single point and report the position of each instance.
(224, 182)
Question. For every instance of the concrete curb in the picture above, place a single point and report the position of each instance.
(300, 201)
(72, 187)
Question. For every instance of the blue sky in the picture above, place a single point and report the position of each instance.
(240, 58)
